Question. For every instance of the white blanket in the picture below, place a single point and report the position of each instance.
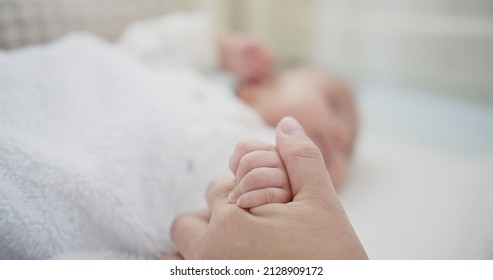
(99, 152)
(92, 154)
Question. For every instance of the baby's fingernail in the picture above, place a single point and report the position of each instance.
(232, 197)
(241, 186)
(290, 126)
(238, 202)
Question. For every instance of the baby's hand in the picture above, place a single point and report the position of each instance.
(247, 57)
(260, 175)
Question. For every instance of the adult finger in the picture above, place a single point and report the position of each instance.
(303, 160)
(186, 233)
(217, 192)
(173, 256)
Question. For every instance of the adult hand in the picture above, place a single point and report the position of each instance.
(313, 226)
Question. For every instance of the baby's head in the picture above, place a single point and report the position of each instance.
(320, 102)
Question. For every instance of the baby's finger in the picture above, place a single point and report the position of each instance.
(244, 147)
(263, 196)
(234, 194)
(263, 177)
(257, 159)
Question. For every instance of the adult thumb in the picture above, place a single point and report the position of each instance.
(304, 162)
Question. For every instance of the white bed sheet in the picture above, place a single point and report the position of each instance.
(421, 184)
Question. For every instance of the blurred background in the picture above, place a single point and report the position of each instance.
(422, 69)
(443, 45)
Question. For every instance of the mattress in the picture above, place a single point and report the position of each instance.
(421, 183)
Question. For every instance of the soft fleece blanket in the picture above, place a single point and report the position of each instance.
(92, 156)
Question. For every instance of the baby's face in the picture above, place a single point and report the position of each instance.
(324, 107)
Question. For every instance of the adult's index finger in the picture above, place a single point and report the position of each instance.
(187, 232)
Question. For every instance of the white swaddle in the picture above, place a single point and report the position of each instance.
(178, 45)
(98, 152)
(92, 153)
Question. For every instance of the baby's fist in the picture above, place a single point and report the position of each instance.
(260, 175)
(247, 57)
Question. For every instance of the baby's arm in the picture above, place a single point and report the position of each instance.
(260, 175)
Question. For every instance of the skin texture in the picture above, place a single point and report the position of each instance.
(261, 177)
(320, 102)
(246, 57)
(313, 226)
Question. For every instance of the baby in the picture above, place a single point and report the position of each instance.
(319, 101)
(260, 175)
(121, 150)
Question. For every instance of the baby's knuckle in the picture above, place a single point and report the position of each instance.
(247, 162)
(282, 172)
(251, 180)
(244, 145)
(232, 163)
(277, 175)
(269, 196)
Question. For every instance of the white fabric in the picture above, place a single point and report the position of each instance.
(216, 118)
(88, 143)
(178, 39)
(98, 153)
